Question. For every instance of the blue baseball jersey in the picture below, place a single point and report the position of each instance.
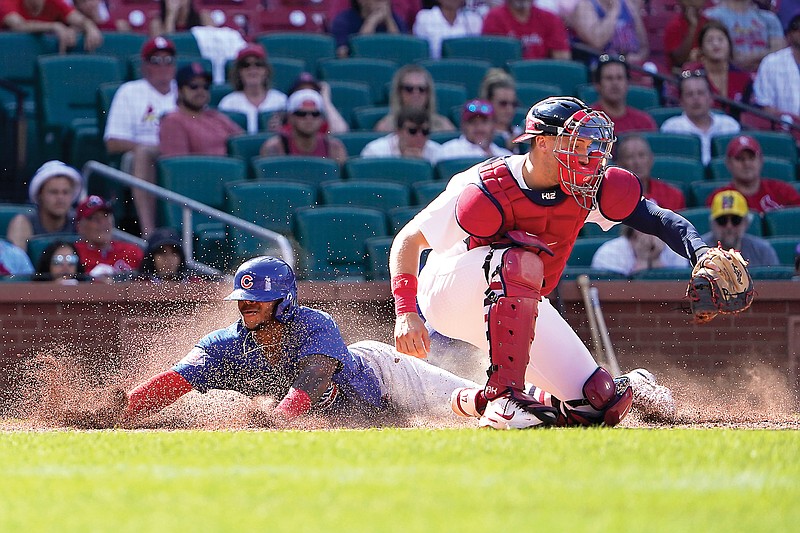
(231, 359)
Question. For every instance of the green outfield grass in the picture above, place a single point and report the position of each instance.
(459, 480)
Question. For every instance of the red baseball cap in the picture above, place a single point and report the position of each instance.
(252, 50)
(741, 143)
(476, 108)
(91, 205)
(157, 44)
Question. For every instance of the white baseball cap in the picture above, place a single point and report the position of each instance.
(303, 98)
(51, 169)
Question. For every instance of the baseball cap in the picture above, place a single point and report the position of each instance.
(163, 237)
(157, 44)
(92, 205)
(304, 98)
(476, 108)
(728, 203)
(252, 50)
(51, 169)
(741, 143)
(305, 78)
(191, 71)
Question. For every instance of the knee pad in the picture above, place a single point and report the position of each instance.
(522, 273)
(611, 399)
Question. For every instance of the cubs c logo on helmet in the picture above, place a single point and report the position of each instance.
(247, 281)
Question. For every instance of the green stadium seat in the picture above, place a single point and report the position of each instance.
(19, 66)
(399, 169)
(568, 75)
(699, 191)
(305, 169)
(265, 120)
(468, 73)
(378, 257)
(426, 191)
(678, 169)
(355, 141)
(660, 114)
(774, 144)
(383, 195)
(9, 211)
(185, 43)
(449, 95)
(218, 92)
(771, 272)
(679, 144)
(785, 248)
(365, 118)
(442, 137)
(595, 274)
(37, 243)
(119, 44)
(399, 217)
(584, 250)
(347, 96)
(497, 50)
(333, 239)
(285, 71)
(247, 145)
(655, 274)
(308, 47)
(638, 97)
(236, 116)
(447, 168)
(775, 168)
(528, 93)
(368, 71)
(400, 48)
(699, 217)
(783, 222)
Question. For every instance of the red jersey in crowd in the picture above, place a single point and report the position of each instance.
(122, 256)
(542, 34)
(772, 194)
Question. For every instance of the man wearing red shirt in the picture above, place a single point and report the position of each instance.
(44, 16)
(744, 160)
(95, 222)
(634, 154)
(682, 31)
(611, 80)
(542, 33)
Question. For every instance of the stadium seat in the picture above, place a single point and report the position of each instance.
(699, 191)
(371, 72)
(595, 274)
(497, 50)
(465, 72)
(285, 71)
(305, 169)
(237, 117)
(265, 119)
(365, 118)
(584, 250)
(528, 93)
(246, 147)
(771, 272)
(355, 141)
(270, 205)
(660, 114)
(383, 195)
(347, 96)
(566, 74)
(773, 144)
(779, 169)
(400, 48)
(449, 95)
(201, 178)
(37, 243)
(185, 43)
(783, 222)
(105, 95)
(785, 248)
(333, 238)
(677, 274)
(699, 217)
(308, 47)
(20, 66)
(218, 92)
(377, 249)
(426, 191)
(683, 145)
(9, 211)
(447, 168)
(119, 44)
(638, 97)
(678, 169)
(397, 169)
(442, 137)
(399, 217)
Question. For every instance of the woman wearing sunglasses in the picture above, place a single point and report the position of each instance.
(412, 86)
(60, 263)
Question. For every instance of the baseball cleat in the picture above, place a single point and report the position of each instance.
(507, 412)
(465, 402)
(649, 398)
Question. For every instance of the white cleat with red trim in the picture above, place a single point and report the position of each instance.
(519, 411)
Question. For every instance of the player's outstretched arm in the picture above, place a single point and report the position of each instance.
(155, 394)
(410, 335)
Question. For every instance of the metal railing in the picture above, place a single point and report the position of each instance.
(188, 207)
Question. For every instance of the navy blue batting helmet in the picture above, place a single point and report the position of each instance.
(267, 279)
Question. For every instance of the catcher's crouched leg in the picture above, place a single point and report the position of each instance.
(606, 401)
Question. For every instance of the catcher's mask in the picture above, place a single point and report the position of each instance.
(584, 139)
(267, 279)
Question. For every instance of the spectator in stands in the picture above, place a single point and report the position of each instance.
(164, 259)
(13, 260)
(777, 84)
(543, 34)
(730, 219)
(446, 19)
(365, 17)
(178, 15)
(134, 119)
(412, 86)
(410, 138)
(682, 34)
(305, 111)
(101, 256)
(714, 58)
(334, 122)
(251, 79)
(193, 128)
(614, 27)
(635, 251)
(611, 79)
(744, 160)
(477, 134)
(97, 12)
(634, 154)
(755, 32)
(60, 263)
(499, 89)
(54, 189)
(50, 16)
(407, 10)
(697, 118)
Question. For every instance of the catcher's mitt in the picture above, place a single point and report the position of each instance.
(720, 284)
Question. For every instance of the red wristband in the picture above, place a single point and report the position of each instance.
(294, 404)
(404, 289)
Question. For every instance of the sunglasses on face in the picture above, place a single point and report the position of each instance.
(726, 219)
(195, 86)
(69, 259)
(415, 130)
(303, 114)
(248, 64)
(607, 58)
(507, 103)
(410, 89)
(697, 73)
(161, 60)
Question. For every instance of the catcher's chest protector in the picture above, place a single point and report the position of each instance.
(556, 223)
